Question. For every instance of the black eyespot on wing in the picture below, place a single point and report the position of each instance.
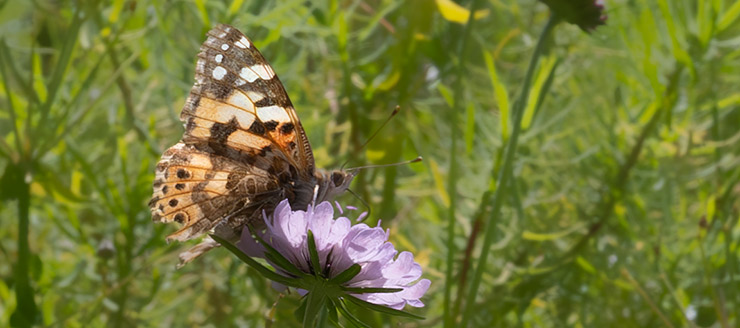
(257, 128)
(179, 218)
(271, 125)
(287, 128)
(173, 202)
(180, 186)
(183, 173)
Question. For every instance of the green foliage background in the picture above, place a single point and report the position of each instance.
(622, 208)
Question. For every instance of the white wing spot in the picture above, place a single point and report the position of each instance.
(273, 112)
(248, 75)
(219, 58)
(219, 73)
(255, 96)
(239, 100)
(264, 71)
(224, 46)
(240, 82)
(243, 43)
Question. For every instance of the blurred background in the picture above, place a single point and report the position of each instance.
(621, 211)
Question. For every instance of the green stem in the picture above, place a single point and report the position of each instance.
(505, 174)
(25, 311)
(452, 176)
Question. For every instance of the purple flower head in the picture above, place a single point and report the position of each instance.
(340, 245)
(587, 14)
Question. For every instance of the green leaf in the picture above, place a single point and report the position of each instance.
(315, 304)
(365, 290)
(546, 69)
(278, 259)
(528, 235)
(381, 308)
(446, 94)
(729, 17)
(234, 7)
(267, 273)
(339, 304)
(313, 254)
(346, 275)
(501, 93)
(469, 127)
(585, 265)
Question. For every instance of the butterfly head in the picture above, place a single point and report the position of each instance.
(332, 183)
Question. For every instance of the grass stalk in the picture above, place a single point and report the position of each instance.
(505, 174)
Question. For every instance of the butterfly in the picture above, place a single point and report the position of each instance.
(243, 151)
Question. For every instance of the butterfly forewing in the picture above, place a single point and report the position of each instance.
(238, 103)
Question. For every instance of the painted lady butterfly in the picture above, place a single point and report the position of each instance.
(243, 151)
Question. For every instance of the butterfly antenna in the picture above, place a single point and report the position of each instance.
(395, 111)
(364, 203)
(417, 159)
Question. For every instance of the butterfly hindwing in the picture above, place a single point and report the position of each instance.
(198, 189)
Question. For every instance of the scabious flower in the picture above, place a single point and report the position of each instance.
(339, 246)
(587, 14)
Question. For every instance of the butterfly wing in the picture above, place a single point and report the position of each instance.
(239, 106)
(243, 149)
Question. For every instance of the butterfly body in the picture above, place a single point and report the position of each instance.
(243, 151)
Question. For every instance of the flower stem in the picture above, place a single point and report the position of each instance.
(505, 174)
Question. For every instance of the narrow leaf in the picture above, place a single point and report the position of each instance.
(314, 254)
(534, 95)
(267, 273)
(315, 305)
(346, 275)
(381, 308)
(501, 93)
(348, 315)
(365, 290)
(278, 259)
